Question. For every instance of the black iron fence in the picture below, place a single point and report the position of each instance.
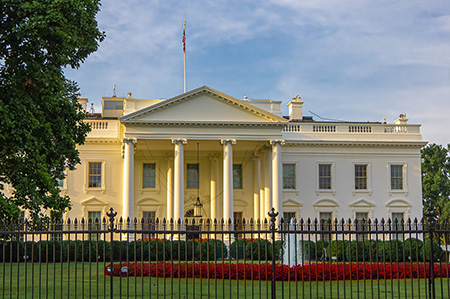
(249, 259)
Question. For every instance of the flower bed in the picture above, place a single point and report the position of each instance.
(263, 271)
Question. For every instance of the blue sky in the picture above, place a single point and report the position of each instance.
(349, 60)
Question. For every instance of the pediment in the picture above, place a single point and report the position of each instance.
(398, 203)
(202, 105)
(239, 202)
(288, 203)
(148, 201)
(362, 203)
(93, 201)
(327, 202)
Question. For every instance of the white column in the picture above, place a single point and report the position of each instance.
(213, 184)
(178, 188)
(128, 179)
(169, 186)
(277, 183)
(262, 183)
(228, 178)
(267, 183)
(256, 186)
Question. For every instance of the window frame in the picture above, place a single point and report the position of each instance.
(187, 176)
(404, 166)
(155, 175)
(332, 177)
(368, 177)
(102, 179)
(241, 187)
(295, 176)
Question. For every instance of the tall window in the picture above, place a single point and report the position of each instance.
(149, 175)
(94, 223)
(396, 177)
(360, 177)
(95, 175)
(362, 225)
(288, 216)
(192, 176)
(397, 224)
(237, 176)
(149, 223)
(324, 176)
(325, 225)
(288, 176)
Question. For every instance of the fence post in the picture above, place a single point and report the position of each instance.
(430, 214)
(273, 227)
(111, 214)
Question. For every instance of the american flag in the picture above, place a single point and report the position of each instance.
(183, 39)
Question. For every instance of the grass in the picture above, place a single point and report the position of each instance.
(84, 280)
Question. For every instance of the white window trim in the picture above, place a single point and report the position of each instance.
(404, 174)
(333, 176)
(398, 205)
(140, 170)
(87, 189)
(242, 176)
(296, 189)
(369, 178)
(64, 186)
(199, 175)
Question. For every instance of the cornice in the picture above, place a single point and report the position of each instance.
(413, 144)
(204, 124)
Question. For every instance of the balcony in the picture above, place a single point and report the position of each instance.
(103, 129)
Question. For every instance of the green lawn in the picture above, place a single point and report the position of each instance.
(84, 280)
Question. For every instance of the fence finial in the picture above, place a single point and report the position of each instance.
(111, 214)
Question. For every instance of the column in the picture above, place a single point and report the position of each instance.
(228, 178)
(262, 182)
(256, 186)
(169, 186)
(277, 183)
(128, 179)
(213, 184)
(178, 178)
(267, 183)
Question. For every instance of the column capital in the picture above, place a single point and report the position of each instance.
(256, 156)
(226, 141)
(277, 142)
(214, 157)
(129, 140)
(179, 141)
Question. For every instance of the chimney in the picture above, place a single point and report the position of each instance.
(402, 120)
(83, 101)
(296, 109)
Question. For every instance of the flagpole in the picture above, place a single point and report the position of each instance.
(184, 50)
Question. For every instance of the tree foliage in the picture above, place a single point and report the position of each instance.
(41, 121)
(436, 181)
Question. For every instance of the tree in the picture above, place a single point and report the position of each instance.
(436, 181)
(41, 122)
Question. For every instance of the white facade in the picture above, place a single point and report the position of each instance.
(141, 159)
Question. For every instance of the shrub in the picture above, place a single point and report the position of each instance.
(279, 249)
(259, 250)
(358, 251)
(337, 249)
(390, 251)
(308, 250)
(437, 251)
(237, 249)
(321, 249)
(212, 250)
(413, 249)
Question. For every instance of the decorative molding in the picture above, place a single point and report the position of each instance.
(226, 141)
(277, 142)
(179, 141)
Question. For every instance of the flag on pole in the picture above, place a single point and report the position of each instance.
(183, 39)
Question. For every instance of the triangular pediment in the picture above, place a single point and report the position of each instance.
(202, 105)
(93, 201)
(326, 202)
(362, 203)
(290, 203)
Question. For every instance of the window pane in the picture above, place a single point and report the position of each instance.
(324, 176)
(149, 175)
(288, 216)
(237, 176)
(95, 175)
(325, 225)
(360, 177)
(288, 176)
(192, 176)
(397, 177)
(397, 224)
(362, 225)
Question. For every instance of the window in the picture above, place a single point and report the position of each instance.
(237, 176)
(192, 179)
(325, 225)
(361, 177)
(397, 224)
(325, 176)
(149, 175)
(95, 175)
(59, 183)
(288, 176)
(149, 223)
(396, 177)
(94, 223)
(238, 218)
(288, 216)
(361, 225)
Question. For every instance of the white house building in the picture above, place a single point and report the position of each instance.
(154, 158)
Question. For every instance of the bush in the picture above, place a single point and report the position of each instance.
(413, 249)
(259, 250)
(337, 248)
(308, 250)
(279, 249)
(212, 250)
(321, 249)
(358, 251)
(438, 253)
(237, 249)
(390, 251)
